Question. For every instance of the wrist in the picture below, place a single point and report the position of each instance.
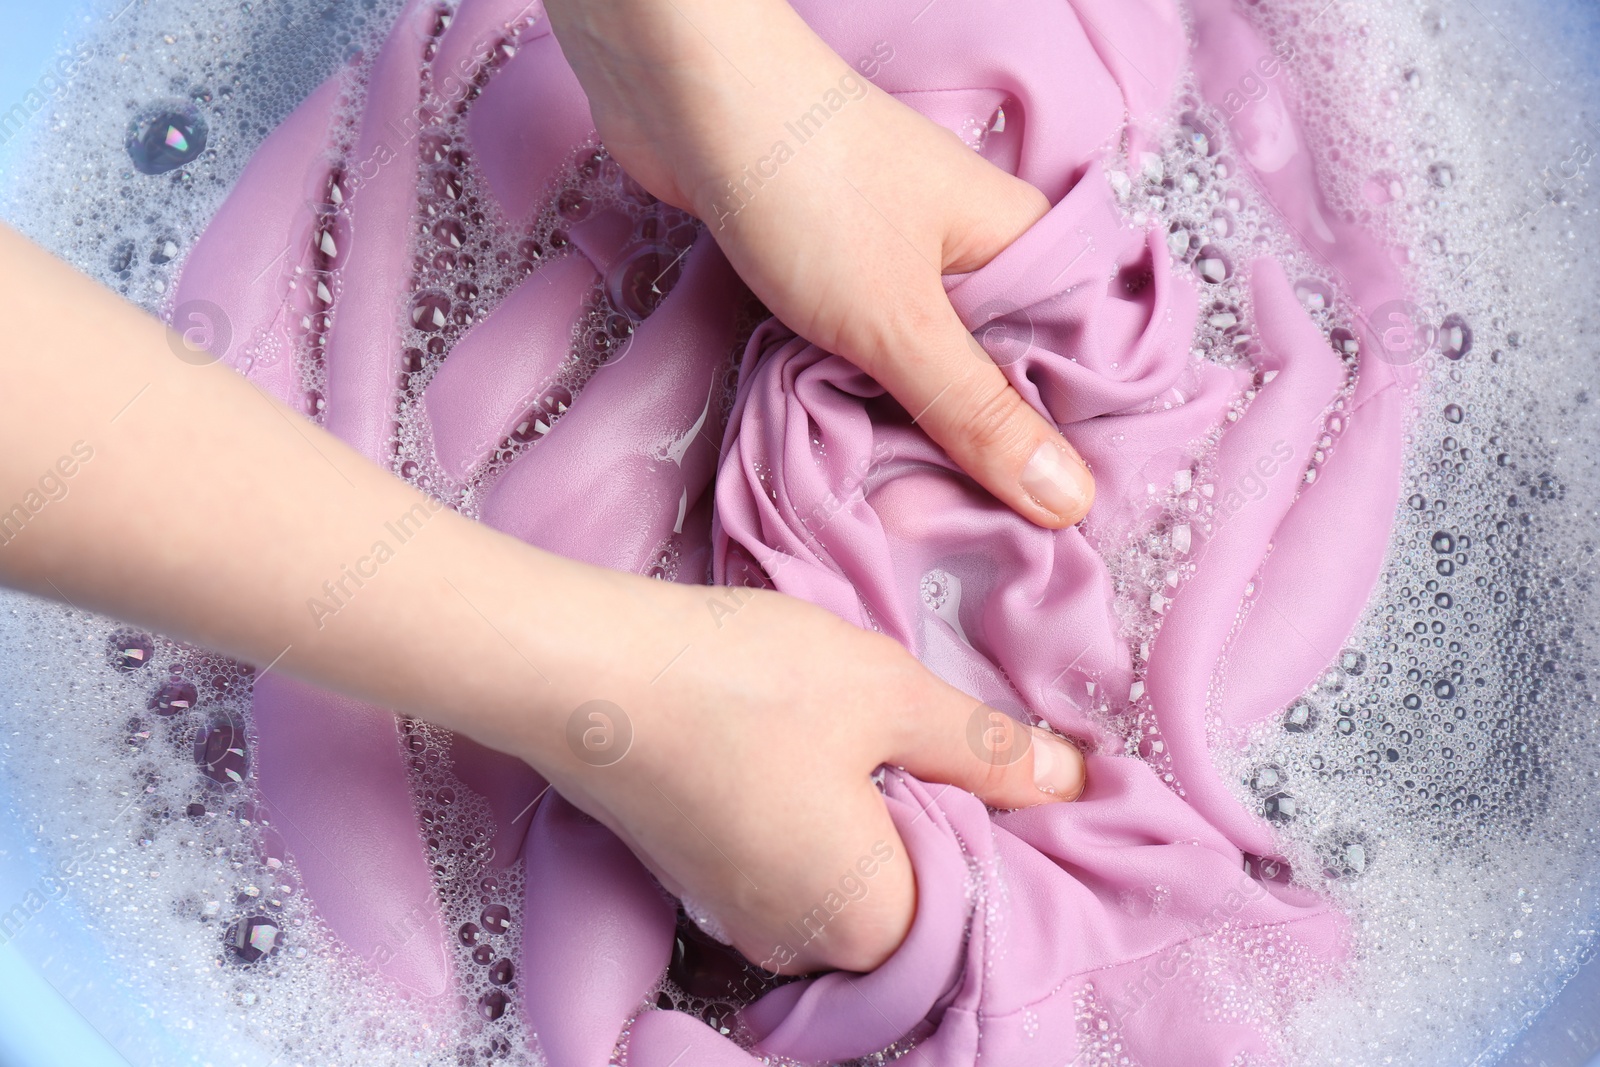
(686, 94)
(551, 638)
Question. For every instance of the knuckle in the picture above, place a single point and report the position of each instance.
(902, 334)
(992, 418)
(1001, 775)
(1001, 747)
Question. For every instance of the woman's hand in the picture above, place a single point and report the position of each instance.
(747, 785)
(843, 235)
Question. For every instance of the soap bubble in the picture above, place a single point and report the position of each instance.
(252, 939)
(496, 919)
(1455, 337)
(1280, 807)
(1301, 717)
(1346, 854)
(219, 750)
(642, 278)
(430, 311)
(492, 1005)
(1344, 342)
(573, 205)
(174, 698)
(1314, 294)
(164, 138)
(1212, 266)
(1267, 779)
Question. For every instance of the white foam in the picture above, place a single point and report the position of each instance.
(1475, 895)
(1446, 795)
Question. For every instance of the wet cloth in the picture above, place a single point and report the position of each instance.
(1136, 925)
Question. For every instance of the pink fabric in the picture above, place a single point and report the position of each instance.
(1124, 925)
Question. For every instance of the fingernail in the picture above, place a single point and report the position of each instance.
(1057, 767)
(1058, 481)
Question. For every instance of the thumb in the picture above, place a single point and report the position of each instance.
(958, 396)
(981, 749)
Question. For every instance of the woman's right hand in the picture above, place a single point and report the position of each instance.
(747, 789)
(748, 784)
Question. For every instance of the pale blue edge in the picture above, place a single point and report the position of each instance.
(35, 32)
(38, 1028)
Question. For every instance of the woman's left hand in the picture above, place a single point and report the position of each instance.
(843, 235)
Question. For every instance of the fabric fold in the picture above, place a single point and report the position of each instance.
(1085, 932)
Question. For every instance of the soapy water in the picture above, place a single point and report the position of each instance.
(1446, 788)
(1439, 781)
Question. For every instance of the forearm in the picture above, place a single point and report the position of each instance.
(200, 507)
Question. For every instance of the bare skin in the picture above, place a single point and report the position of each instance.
(847, 239)
(748, 785)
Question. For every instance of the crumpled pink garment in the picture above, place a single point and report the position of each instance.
(1124, 927)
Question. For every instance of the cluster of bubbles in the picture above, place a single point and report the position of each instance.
(122, 191)
(1192, 188)
(1439, 780)
(466, 261)
(125, 205)
(478, 899)
(131, 762)
(1453, 741)
(466, 258)
(185, 878)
